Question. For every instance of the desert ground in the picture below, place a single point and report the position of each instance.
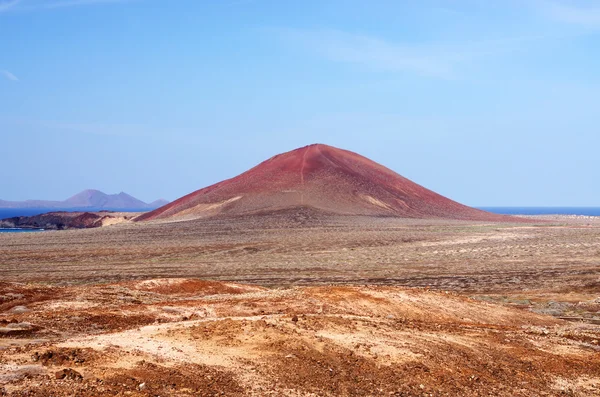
(299, 303)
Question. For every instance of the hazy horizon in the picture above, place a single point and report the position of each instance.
(489, 104)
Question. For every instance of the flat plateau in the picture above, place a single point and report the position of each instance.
(302, 247)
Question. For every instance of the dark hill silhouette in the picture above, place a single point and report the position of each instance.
(88, 199)
(324, 178)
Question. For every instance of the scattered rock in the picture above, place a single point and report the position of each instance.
(16, 328)
(63, 356)
(11, 296)
(14, 325)
(19, 309)
(68, 373)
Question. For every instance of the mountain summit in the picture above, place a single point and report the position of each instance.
(88, 199)
(98, 199)
(322, 177)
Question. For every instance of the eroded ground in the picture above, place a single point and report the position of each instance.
(183, 337)
(324, 306)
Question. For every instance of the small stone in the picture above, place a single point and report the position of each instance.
(142, 386)
(68, 373)
(295, 318)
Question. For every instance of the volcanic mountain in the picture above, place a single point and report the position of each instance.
(323, 178)
(89, 198)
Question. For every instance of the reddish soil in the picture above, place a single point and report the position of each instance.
(120, 311)
(200, 338)
(325, 178)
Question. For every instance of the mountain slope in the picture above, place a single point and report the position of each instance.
(324, 178)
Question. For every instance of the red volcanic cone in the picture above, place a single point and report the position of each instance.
(321, 177)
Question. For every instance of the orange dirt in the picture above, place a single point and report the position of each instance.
(188, 337)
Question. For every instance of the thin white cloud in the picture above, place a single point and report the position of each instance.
(36, 5)
(6, 5)
(8, 75)
(586, 14)
(437, 60)
(74, 3)
(372, 52)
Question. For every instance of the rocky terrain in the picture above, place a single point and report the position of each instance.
(187, 337)
(303, 303)
(304, 247)
(62, 220)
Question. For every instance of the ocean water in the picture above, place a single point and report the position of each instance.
(587, 211)
(12, 212)
(20, 230)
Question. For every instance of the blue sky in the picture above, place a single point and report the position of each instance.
(488, 103)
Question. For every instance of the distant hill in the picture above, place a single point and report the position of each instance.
(88, 199)
(159, 203)
(324, 178)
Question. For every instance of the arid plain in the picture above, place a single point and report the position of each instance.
(316, 273)
(303, 303)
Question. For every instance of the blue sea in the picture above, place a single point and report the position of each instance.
(588, 211)
(12, 212)
(20, 230)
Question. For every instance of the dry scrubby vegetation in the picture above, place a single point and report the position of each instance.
(302, 247)
(303, 304)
